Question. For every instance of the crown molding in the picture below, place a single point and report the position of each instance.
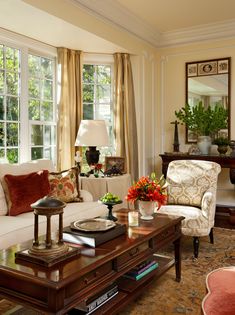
(215, 31)
(115, 14)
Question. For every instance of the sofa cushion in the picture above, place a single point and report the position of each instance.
(20, 169)
(22, 190)
(18, 229)
(64, 185)
(3, 203)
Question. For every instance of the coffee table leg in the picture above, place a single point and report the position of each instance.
(177, 259)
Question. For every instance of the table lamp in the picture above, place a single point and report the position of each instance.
(92, 133)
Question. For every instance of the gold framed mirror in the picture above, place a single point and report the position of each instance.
(208, 81)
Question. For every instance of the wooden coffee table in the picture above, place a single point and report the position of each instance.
(58, 289)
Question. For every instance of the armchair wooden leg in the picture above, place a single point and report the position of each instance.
(196, 246)
(211, 236)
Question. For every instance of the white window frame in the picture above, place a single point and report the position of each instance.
(103, 59)
(28, 46)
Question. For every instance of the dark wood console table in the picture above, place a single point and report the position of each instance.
(60, 288)
(224, 216)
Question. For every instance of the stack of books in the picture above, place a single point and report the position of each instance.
(141, 270)
(92, 304)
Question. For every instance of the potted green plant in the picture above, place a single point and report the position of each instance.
(203, 121)
(222, 144)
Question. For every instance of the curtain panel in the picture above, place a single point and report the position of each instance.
(125, 129)
(70, 105)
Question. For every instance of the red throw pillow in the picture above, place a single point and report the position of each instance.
(23, 190)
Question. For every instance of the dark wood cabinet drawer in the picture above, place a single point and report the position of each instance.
(166, 236)
(90, 278)
(132, 255)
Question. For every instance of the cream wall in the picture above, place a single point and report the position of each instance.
(172, 88)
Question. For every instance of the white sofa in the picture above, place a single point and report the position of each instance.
(20, 228)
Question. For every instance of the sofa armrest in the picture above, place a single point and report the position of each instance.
(86, 195)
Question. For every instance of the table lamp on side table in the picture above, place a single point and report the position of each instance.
(92, 133)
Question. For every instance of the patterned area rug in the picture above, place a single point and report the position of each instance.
(165, 296)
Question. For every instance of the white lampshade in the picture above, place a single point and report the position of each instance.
(92, 133)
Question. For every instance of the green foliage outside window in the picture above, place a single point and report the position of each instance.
(97, 101)
(41, 107)
(9, 103)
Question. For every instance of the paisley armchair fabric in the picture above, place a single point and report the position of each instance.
(192, 188)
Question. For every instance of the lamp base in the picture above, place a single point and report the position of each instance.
(92, 156)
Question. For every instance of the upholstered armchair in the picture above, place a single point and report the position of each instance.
(192, 193)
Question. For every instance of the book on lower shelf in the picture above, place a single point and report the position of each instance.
(92, 239)
(136, 274)
(92, 304)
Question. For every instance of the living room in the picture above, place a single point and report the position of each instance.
(158, 58)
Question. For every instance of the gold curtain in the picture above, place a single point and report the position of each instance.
(70, 106)
(125, 129)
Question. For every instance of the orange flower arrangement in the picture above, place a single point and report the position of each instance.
(148, 188)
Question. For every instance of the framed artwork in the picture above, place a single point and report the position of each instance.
(115, 161)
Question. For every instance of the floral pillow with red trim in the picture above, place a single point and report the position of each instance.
(64, 185)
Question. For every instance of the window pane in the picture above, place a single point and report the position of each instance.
(2, 75)
(2, 133)
(2, 107)
(103, 93)
(47, 111)
(104, 74)
(34, 88)
(12, 59)
(103, 112)
(47, 68)
(12, 83)
(88, 111)
(12, 155)
(88, 73)
(49, 135)
(36, 153)
(37, 135)
(12, 134)
(47, 153)
(34, 110)
(12, 108)
(88, 93)
(47, 90)
(2, 153)
(1, 57)
(34, 65)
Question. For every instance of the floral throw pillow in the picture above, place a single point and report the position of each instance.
(64, 185)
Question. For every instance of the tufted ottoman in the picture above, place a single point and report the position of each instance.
(220, 299)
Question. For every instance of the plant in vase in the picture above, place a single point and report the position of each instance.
(204, 122)
(148, 190)
(222, 144)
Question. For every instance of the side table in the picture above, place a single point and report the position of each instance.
(98, 187)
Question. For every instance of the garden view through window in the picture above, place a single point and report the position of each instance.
(27, 106)
(98, 101)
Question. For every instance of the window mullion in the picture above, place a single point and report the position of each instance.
(24, 121)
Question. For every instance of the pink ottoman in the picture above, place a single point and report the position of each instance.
(220, 299)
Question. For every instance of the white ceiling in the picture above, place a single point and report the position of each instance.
(168, 22)
(159, 22)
